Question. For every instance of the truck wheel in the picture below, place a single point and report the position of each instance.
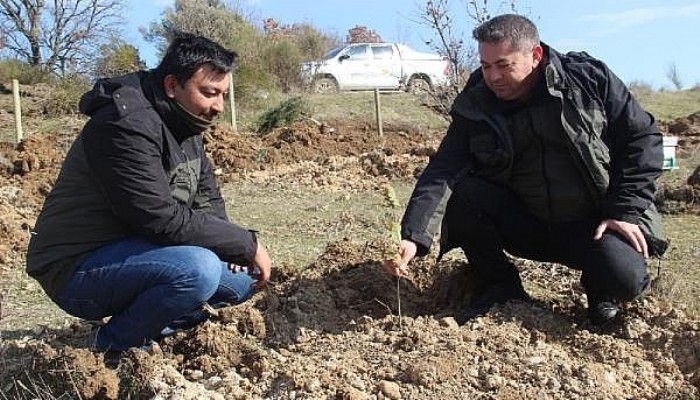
(325, 86)
(418, 85)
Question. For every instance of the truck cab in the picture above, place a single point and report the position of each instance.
(366, 66)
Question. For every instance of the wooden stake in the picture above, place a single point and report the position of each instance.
(378, 112)
(18, 111)
(232, 101)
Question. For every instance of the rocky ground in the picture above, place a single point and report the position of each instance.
(341, 328)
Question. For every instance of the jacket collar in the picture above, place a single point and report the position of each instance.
(174, 120)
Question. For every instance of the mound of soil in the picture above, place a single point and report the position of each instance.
(307, 150)
(683, 195)
(337, 330)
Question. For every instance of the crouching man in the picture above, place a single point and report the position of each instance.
(135, 226)
(549, 158)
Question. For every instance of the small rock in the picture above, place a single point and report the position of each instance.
(196, 375)
(350, 393)
(390, 389)
(494, 382)
(610, 377)
(536, 360)
(449, 322)
(313, 385)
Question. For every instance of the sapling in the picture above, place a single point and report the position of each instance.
(392, 204)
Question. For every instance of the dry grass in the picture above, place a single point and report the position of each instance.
(297, 223)
(679, 276)
(668, 105)
(398, 109)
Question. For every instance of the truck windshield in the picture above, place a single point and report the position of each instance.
(332, 53)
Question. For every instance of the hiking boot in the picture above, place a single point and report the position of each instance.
(499, 293)
(603, 312)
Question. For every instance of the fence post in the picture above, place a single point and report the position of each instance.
(18, 111)
(378, 112)
(232, 101)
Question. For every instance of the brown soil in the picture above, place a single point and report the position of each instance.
(341, 328)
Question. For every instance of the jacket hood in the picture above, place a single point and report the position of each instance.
(102, 93)
(134, 92)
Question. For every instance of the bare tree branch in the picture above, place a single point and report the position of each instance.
(60, 36)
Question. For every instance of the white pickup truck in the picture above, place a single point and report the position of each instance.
(386, 66)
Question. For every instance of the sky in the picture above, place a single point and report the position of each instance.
(639, 40)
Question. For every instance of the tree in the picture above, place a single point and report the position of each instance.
(225, 25)
(311, 43)
(362, 34)
(674, 76)
(118, 58)
(267, 58)
(210, 18)
(58, 35)
(448, 40)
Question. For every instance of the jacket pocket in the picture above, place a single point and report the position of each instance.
(181, 184)
(487, 154)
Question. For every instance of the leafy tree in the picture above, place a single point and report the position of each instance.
(268, 58)
(223, 24)
(118, 58)
(59, 35)
(209, 18)
(362, 34)
(312, 44)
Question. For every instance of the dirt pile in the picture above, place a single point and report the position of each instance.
(340, 156)
(681, 193)
(27, 172)
(334, 331)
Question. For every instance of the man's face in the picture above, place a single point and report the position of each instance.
(509, 73)
(202, 94)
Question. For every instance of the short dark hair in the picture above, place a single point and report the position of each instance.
(518, 30)
(188, 52)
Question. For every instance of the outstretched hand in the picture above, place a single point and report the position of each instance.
(630, 232)
(264, 264)
(407, 250)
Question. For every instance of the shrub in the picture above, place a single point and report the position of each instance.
(26, 74)
(118, 58)
(64, 96)
(284, 114)
(283, 59)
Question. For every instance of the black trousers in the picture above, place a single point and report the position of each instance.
(485, 219)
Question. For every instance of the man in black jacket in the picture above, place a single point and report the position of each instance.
(135, 227)
(548, 157)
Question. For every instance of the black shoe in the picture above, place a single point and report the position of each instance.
(497, 294)
(603, 312)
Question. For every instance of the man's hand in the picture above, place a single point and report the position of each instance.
(407, 250)
(264, 264)
(630, 232)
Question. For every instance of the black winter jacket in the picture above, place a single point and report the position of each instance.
(135, 170)
(616, 141)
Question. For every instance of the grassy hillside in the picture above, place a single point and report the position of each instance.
(403, 109)
(667, 105)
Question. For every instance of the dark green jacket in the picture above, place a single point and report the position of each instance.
(134, 170)
(613, 138)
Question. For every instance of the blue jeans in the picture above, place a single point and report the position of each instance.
(146, 287)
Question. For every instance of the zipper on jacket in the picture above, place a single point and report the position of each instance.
(190, 176)
(543, 163)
